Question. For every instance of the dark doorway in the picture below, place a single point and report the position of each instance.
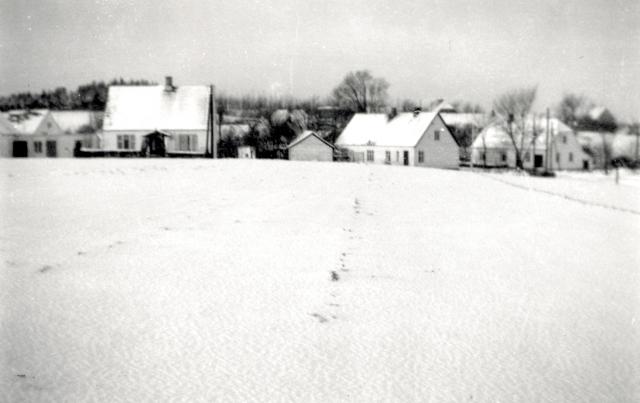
(20, 149)
(405, 157)
(537, 161)
(154, 145)
(52, 149)
(77, 149)
(585, 165)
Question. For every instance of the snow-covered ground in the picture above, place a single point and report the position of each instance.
(195, 280)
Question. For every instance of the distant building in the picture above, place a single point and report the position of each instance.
(309, 146)
(597, 145)
(159, 120)
(8, 134)
(81, 129)
(39, 135)
(494, 148)
(246, 152)
(414, 139)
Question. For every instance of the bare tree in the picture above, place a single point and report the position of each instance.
(572, 109)
(361, 92)
(513, 107)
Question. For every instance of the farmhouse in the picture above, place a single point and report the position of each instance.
(309, 146)
(157, 120)
(494, 148)
(415, 139)
(39, 135)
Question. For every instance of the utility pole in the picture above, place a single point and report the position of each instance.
(547, 163)
(637, 145)
(211, 146)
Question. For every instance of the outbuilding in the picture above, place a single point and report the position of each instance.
(309, 146)
(246, 152)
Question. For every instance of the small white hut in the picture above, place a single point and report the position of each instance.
(246, 152)
(309, 146)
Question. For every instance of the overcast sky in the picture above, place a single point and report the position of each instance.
(470, 50)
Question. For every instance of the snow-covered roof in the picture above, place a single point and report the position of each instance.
(406, 129)
(443, 106)
(362, 129)
(153, 107)
(306, 134)
(462, 119)
(592, 139)
(596, 113)
(495, 134)
(72, 121)
(234, 129)
(5, 126)
(26, 121)
(625, 146)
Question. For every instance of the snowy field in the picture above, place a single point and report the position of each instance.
(194, 280)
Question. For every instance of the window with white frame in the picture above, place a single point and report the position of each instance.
(370, 155)
(126, 142)
(387, 156)
(37, 146)
(187, 142)
(504, 157)
(420, 157)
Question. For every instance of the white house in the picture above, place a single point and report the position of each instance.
(39, 135)
(157, 120)
(494, 148)
(415, 139)
(309, 146)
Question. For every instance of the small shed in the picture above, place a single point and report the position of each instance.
(309, 146)
(246, 152)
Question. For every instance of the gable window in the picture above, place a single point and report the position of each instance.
(436, 135)
(126, 142)
(387, 156)
(370, 155)
(37, 146)
(564, 139)
(570, 157)
(420, 157)
(187, 142)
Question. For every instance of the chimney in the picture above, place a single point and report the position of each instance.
(168, 84)
(417, 111)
